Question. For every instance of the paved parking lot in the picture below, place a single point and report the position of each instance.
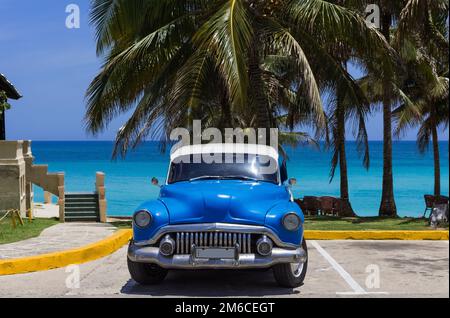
(54, 239)
(336, 269)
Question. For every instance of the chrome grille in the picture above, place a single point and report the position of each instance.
(185, 240)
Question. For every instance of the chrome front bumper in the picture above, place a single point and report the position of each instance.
(151, 255)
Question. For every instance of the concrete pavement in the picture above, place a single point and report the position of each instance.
(56, 238)
(46, 211)
(336, 269)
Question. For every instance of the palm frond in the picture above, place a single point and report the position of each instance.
(333, 23)
(227, 35)
(288, 45)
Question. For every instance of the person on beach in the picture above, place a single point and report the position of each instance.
(155, 182)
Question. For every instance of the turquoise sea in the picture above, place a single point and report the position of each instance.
(128, 181)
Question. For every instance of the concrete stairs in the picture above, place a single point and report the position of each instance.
(82, 207)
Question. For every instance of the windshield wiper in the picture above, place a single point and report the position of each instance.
(204, 178)
(237, 177)
(248, 178)
(241, 178)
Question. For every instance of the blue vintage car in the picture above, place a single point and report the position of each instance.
(237, 214)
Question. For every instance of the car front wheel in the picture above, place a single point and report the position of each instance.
(291, 275)
(146, 274)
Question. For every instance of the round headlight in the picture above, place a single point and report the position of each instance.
(142, 218)
(291, 221)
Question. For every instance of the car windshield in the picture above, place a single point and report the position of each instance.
(231, 167)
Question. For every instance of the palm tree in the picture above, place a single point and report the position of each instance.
(284, 88)
(383, 87)
(349, 103)
(163, 60)
(388, 91)
(388, 12)
(434, 112)
(337, 82)
(344, 109)
(425, 50)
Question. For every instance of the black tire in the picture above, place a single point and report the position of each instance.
(146, 274)
(285, 276)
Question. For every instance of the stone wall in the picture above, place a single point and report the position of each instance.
(13, 183)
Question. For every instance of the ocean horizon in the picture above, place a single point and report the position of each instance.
(128, 180)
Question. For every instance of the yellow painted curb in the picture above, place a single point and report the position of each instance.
(376, 235)
(64, 258)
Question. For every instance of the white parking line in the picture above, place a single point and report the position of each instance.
(357, 289)
(357, 294)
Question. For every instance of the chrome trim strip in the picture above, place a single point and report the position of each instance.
(216, 227)
(152, 255)
(182, 243)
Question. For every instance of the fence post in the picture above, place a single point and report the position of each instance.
(13, 220)
(61, 197)
(28, 157)
(47, 197)
(101, 191)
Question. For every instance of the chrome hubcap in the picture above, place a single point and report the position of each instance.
(297, 269)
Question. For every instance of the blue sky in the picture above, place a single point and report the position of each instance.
(52, 66)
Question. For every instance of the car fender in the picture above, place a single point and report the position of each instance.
(274, 221)
(160, 218)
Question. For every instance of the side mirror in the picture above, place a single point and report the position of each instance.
(155, 182)
(292, 181)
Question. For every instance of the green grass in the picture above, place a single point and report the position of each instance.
(325, 223)
(29, 230)
(121, 224)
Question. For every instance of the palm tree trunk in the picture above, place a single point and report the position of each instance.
(256, 90)
(346, 207)
(437, 167)
(387, 206)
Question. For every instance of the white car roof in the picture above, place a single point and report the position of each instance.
(225, 148)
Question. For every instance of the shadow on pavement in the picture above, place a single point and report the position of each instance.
(212, 283)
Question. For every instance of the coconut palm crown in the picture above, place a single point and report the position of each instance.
(171, 61)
